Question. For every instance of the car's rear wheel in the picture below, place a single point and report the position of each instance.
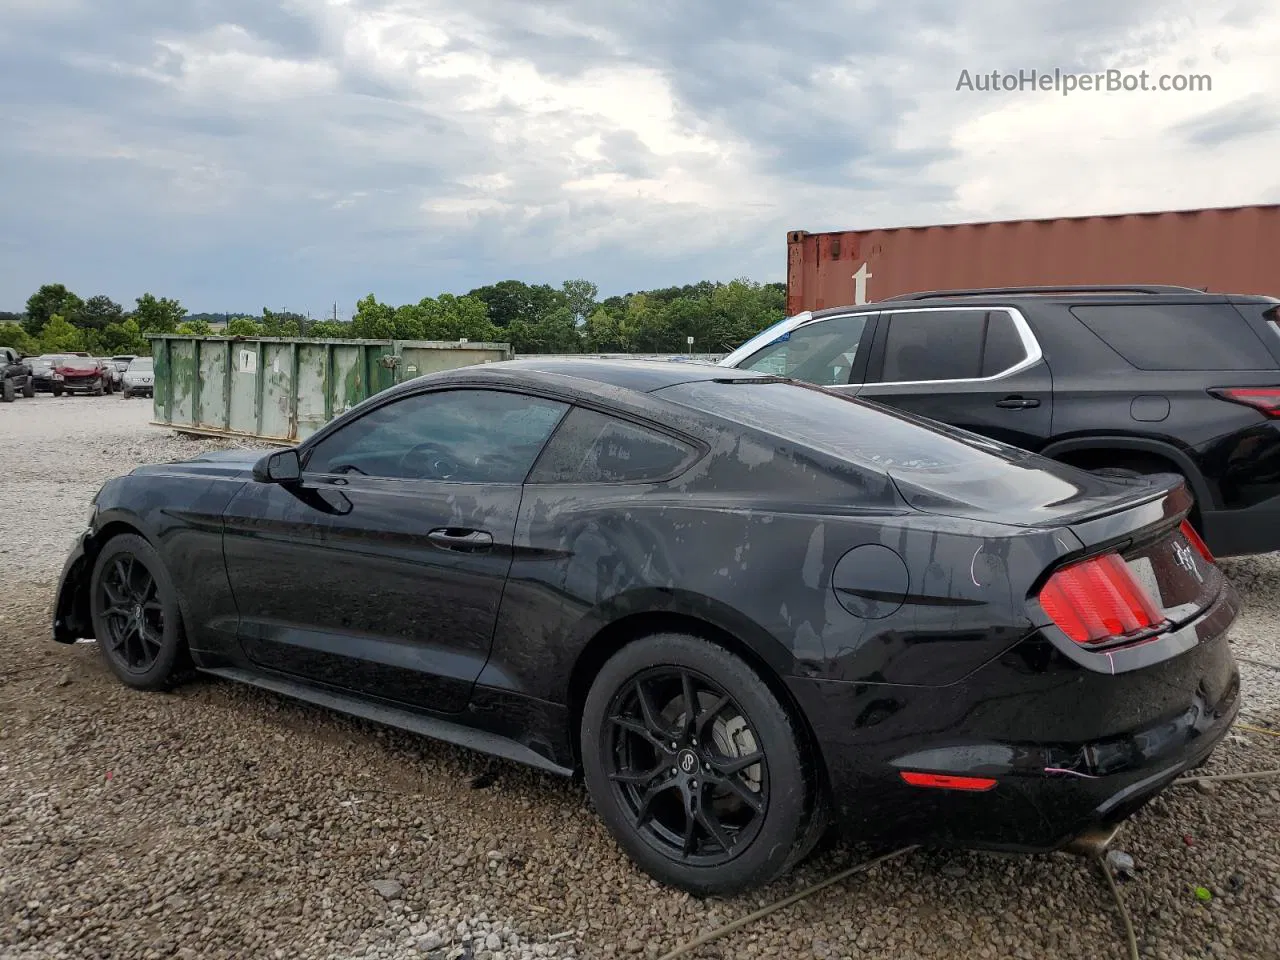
(57, 390)
(7, 391)
(135, 614)
(695, 766)
(29, 389)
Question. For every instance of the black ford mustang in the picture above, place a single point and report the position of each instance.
(743, 607)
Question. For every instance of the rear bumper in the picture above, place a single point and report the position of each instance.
(1244, 530)
(1069, 748)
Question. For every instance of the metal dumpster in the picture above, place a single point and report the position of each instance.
(282, 390)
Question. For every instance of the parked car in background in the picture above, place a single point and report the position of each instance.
(121, 364)
(138, 378)
(42, 371)
(79, 374)
(113, 373)
(1129, 381)
(15, 376)
(742, 607)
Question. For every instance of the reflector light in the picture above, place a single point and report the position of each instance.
(947, 782)
(1098, 600)
(1193, 538)
(1265, 399)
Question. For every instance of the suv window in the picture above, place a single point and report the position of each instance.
(591, 447)
(949, 345)
(466, 436)
(821, 352)
(1178, 336)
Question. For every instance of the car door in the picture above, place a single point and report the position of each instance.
(381, 571)
(830, 351)
(978, 368)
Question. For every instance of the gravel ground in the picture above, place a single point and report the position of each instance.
(218, 821)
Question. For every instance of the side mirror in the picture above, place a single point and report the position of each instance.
(279, 466)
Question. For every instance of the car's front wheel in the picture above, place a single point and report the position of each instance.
(695, 766)
(29, 389)
(135, 614)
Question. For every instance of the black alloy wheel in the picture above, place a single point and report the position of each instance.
(686, 766)
(696, 768)
(135, 614)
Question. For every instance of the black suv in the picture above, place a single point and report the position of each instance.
(15, 376)
(1122, 380)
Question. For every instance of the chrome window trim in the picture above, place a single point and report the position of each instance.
(1025, 334)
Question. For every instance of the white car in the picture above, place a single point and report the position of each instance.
(138, 379)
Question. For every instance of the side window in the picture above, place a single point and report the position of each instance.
(821, 352)
(1178, 336)
(934, 345)
(1003, 348)
(591, 447)
(466, 436)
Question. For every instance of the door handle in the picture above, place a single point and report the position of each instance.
(457, 538)
(1017, 403)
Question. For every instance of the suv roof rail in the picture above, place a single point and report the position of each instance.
(1153, 289)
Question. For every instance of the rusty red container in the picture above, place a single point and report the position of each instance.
(1223, 250)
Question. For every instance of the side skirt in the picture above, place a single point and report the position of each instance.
(393, 716)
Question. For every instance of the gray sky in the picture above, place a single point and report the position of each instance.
(290, 153)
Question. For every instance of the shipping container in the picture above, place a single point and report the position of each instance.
(1223, 250)
(282, 390)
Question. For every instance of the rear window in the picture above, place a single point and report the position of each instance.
(1179, 336)
(590, 447)
(842, 426)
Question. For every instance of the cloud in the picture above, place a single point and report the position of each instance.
(296, 152)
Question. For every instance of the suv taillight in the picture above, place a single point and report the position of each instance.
(1098, 600)
(1264, 399)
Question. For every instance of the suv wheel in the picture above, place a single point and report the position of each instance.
(7, 391)
(695, 767)
(29, 388)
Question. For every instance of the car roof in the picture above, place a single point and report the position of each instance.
(644, 376)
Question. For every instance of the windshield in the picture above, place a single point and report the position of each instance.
(142, 363)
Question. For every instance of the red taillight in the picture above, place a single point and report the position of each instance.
(1264, 399)
(1098, 600)
(1193, 538)
(947, 782)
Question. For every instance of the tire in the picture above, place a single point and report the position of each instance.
(7, 393)
(29, 389)
(57, 390)
(154, 657)
(98, 390)
(125, 394)
(764, 842)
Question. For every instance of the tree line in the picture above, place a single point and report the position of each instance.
(533, 318)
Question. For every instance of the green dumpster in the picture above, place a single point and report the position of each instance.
(282, 390)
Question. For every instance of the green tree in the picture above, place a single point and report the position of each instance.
(50, 299)
(59, 336)
(580, 296)
(194, 328)
(98, 312)
(124, 338)
(284, 324)
(373, 320)
(329, 330)
(450, 317)
(12, 335)
(158, 315)
(512, 300)
(243, 327)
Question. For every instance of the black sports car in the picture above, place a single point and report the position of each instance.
(743, 607)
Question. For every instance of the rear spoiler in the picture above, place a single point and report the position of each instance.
(1168, 505)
